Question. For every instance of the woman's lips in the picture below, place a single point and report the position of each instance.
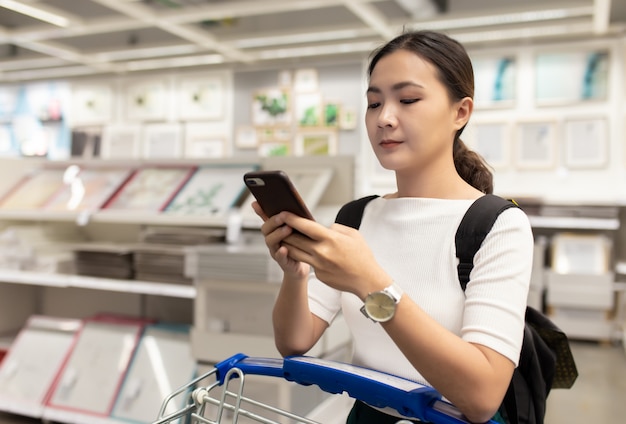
(389, 143)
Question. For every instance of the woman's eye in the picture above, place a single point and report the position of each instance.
(409, 101)
(373, 105)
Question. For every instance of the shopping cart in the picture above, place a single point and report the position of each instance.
(217, 401)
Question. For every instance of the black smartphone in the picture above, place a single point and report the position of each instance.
(275, 193)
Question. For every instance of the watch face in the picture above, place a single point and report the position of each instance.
(380, 306)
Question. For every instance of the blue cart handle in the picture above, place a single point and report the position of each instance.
(375, 388)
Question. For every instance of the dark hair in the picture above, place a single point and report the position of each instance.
(457, 75)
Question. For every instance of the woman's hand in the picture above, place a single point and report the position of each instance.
(339, 254)
(275, 232)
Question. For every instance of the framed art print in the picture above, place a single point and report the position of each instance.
(205, 140)
(121, 141)
(162, 141)
(308, 109)
(587, 76)
(150, 189)
(271, 106)
(310, 143)
(202, 98)
(492, 141)
(146, 100)
(211, 191)
(586, 143)
(495, 80)
(535, 145)
(91, 104)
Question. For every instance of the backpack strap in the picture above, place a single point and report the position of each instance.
(351, 213)
(473, 229)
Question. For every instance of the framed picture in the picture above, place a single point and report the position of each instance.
(87, 189)
(121, 141)
(86, 142)
(491, 140)
(319, 143)
(150, 189)
(587, 77)
(162, 141)
(586, 143)
(305, 80)
(205, 140)
(271, 107)
(308, 109)
(332, 112)
(91, 104)
(202, 98)
(495, 81)
(246, 137)
(211, 191)
(535, 145)
(580, 253)
(274, 148)
(146, 100)
(347, 118)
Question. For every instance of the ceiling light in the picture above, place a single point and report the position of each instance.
(305, 37)
(146, 52)
(35, 12)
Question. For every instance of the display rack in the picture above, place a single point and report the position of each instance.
(72, 296)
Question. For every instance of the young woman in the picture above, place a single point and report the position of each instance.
(465, 344)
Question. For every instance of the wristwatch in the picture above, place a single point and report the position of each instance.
(380, 306)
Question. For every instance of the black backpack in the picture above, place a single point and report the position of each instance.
(546, 361)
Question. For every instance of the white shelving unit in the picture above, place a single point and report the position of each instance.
(26, 292)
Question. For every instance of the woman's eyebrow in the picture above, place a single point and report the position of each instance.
(395, 87)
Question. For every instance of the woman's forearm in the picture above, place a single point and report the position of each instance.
(296, 330)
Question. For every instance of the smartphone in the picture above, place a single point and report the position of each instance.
(275, 193)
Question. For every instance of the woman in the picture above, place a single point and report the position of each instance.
(466, 345)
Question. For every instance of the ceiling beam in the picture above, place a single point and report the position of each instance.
(372, 17)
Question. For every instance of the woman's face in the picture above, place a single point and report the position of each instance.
(410, 119)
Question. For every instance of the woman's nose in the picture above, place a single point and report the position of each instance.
(387, 117)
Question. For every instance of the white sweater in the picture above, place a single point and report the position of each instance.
(413, 240)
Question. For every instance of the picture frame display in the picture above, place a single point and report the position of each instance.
(495, 81)
(162, 141)
(586, 142)
(121, 141)
(211, 191)
(491, 140)
(146, 100)
(202, 98)
(535, 145)
(150, 189)
(587, 77)
(316, 143)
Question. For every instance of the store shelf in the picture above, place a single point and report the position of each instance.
(574, 223)
(95, 283)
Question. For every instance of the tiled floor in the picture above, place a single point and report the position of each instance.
(598, 396)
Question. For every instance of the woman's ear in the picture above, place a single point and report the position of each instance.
(464, 108)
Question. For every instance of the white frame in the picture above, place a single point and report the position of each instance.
(330, 136)
(100, 96)
(211, 94)
(155, 104)
(487, 70)
(564, 74)
(577, 152)
(162, 141)
(204, 140)
(120, 141)
(497, 153)
(544, 149)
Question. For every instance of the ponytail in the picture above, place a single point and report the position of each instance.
(472, 167)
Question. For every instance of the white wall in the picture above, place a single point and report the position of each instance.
(605, 184)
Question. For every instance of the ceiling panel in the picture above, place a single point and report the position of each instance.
(115, 36)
